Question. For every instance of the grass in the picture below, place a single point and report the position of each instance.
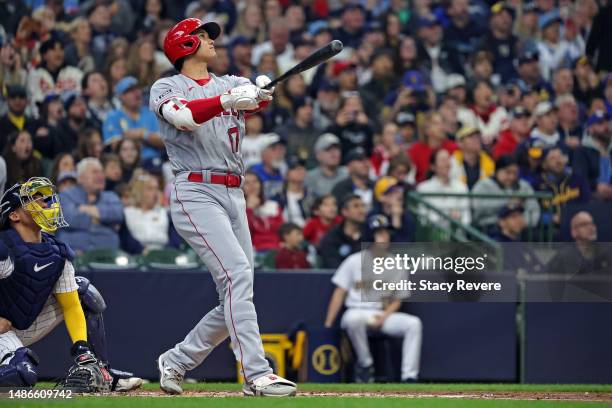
(330, 402)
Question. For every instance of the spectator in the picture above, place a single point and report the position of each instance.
(78, 52)
(220, 65)
(463, 32)
(278, 44)
(597, 151)
(456, 89)
(586, 82)
(65, 136)
(511, 223)
(516, 133)
(353, 20)
(141, 62)
(441, 182)
(12, 71)
(112, 171)
(389, 194)
(322, 179)
(470, 162)
(95, 90)
(546, 125)
(295, 199)
(66, 180)
(324, 216)
(116, 69)
(299, 133)
(434, 138)
(251, 24)
(509, 96)
(565, 185)
(358, 181)
(529, 71)
(387, 148)
(133, 121)
(361, 315)
(505, 181)
(63, 163)
(90, 144)
(569, 127)
(15, 119)
(146, 220)
(93, 215)
(500, 41)
(352, 126)
(290, 255)
(325, 107)
(251, 145)
(484, 114)
(407, 129)
(128, 151)
(264, 216)
(562, 81)
(21, 164)
(598, 48)
(345, 238)
(553, 51)
(383, 78)
(270, 170)
(52, 76)
(242, 48)
(407, 58)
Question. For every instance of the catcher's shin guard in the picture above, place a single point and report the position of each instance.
(93, 306)
(20, 370)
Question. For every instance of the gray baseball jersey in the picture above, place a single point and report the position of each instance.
(215, 145)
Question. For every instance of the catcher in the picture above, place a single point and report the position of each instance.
(38, 289)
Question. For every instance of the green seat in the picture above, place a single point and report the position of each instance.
(109, 259)
(169, 259)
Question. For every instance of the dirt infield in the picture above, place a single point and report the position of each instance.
(486, 395)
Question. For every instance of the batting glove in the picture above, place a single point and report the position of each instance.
(264, 94)
(244, 97)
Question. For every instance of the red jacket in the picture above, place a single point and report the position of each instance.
(420, 152)
(506, 144)
(291, 259)
(264, 230)
(314, 229)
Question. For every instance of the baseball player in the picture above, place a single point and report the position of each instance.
(38, 290)
(201, 120)
(361, 316)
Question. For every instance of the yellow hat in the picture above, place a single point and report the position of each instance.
(383, 185)
(466, 131)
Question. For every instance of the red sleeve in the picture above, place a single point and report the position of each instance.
(262, 105)
(205, 109)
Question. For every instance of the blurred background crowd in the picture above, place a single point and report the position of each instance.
(434, 98)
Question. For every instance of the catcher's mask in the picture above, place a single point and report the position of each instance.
(38, 196)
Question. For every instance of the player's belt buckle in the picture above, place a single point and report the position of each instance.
(233, 181)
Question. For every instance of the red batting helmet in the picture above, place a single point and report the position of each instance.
(180, 41)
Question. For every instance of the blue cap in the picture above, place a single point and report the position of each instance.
(549, 18)
(597, 117)
(378, 221)
(429, 20)
(10, 202)
(125, 84)
(317, 26)
(509, 209)
(414, 80)
(528, 55)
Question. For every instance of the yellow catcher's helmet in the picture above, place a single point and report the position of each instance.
(33, 193)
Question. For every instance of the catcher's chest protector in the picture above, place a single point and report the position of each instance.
(37, 267)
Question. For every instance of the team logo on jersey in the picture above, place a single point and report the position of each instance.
(326, 359)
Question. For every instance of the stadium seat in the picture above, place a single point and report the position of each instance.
(169, 259)
(107, 259)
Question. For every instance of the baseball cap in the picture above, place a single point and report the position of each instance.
(270, 139)
(530, 7)
(429, 20)
(317, 27)
(519, 112)
(377, 222)
(14, 91)
(385, 185)
(510, 209)
(467, 130)
(597, 117)
(542, 108)
(502, 6)
(328, 85)
(535, 147)
(295, 161)
(549, 18)
(528, 56)
(325, 141)
(125, 84)
(414, 80)
(10, 202)
(66, 175)
(341, 66)
(454, 81)
(358, 153)
(505, 161)
(405, 118)
(68, 99)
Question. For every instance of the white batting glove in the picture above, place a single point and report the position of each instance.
(264, 94)
(244, 97)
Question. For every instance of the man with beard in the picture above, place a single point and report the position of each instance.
(66, 135)
(596, 149)
(15, 119)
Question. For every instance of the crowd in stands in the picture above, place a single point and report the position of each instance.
(428, 96)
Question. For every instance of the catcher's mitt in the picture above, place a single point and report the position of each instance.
(87, 374)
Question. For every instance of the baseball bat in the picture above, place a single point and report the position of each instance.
(316, 58)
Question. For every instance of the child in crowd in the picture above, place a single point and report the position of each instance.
(290, 255)
(325, 216)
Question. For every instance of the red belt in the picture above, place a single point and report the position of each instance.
(228, 180)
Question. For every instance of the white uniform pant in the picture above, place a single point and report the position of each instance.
(355, 323)
(50, 316)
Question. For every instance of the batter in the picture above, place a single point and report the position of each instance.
(201, 120)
